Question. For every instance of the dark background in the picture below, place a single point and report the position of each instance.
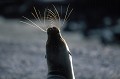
(92, 32)
(95, 14)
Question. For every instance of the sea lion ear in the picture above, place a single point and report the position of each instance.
(69, 53)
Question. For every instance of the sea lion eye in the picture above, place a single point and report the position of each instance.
(55, 29)
(50, 29)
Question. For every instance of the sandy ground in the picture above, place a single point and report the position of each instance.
(22, 54)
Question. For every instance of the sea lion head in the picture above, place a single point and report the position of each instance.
(53, 30)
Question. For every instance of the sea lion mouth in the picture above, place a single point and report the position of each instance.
(53, 30)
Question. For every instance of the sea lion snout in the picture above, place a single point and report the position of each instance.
(53, 30)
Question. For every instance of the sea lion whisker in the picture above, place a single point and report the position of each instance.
(36, 13)
(38, 16)
(27, 23)
(57, 13)
(49, 15)
(50, 18)
(51, 21)
(33, 23)
(65, 14)
(39, 13)
(69, 14)
(52, 13)
(30, 25)
(44, 16)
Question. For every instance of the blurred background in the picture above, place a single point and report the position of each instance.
(92, 32)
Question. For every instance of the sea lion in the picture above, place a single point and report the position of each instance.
(58, 56)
